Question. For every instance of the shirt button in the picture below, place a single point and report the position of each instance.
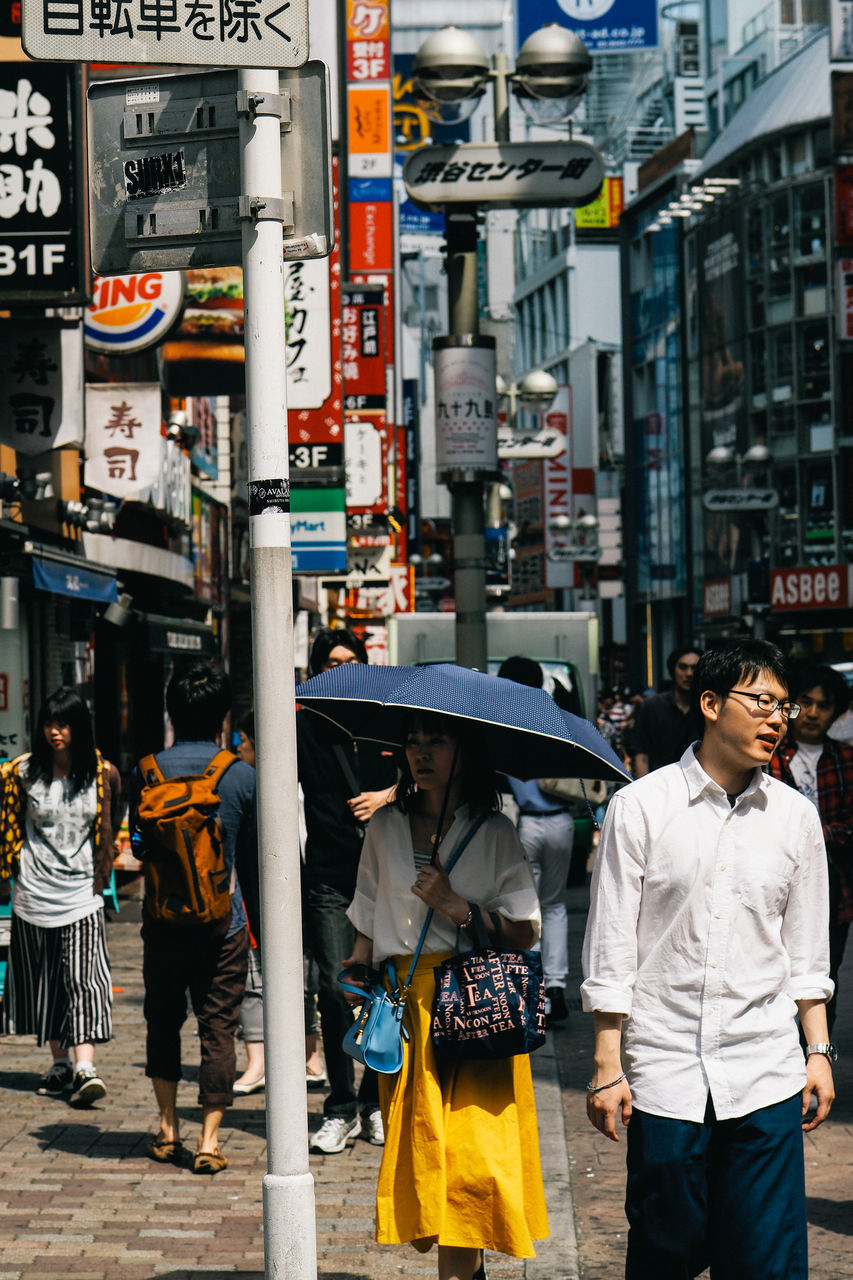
(723, 867)
(716, 915)
(713, 964)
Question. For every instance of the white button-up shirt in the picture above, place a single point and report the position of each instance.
(707, 923)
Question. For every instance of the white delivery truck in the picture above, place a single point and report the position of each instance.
(564, 644)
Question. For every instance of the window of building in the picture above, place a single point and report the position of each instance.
(779, 231)
(812, 297)
(781, 351)
(814, 361)
(780, 301)
(810, 221)
(758, 369)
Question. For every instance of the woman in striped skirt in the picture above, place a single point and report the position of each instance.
(57, 817)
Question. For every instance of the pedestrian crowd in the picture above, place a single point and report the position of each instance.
(721, 902)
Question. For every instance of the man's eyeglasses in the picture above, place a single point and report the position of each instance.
(768, 704)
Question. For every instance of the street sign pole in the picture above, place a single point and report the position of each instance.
(290, 1247)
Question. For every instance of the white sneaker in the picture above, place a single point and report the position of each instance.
(335, 1133)
(372, 1128)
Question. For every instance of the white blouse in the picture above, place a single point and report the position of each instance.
(492, 871)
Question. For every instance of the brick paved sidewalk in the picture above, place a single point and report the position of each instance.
(80, 1198)
(598, 1165)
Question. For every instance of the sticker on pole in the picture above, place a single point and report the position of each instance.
(243, 33)
(269, 495)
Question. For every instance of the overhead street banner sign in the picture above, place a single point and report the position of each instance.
(228, 33)
(504, 175)
(740, 500)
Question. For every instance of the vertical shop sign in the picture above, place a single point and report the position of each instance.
(557, 494)
(41, 400)
(315, 382)
(369, 124)
(363, 340)
(42, 255)
(123, 440)
(309, 333)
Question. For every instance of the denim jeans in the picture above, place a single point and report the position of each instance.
(329, 937)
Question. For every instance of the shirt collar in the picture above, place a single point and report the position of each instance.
(699, 782)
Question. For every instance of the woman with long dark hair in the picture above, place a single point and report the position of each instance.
(58, 815)
(461, 1162)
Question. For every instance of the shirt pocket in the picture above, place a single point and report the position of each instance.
(765, 891)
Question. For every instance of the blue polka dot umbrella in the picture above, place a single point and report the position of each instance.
(526, 733)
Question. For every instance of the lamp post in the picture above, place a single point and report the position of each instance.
(451, 72)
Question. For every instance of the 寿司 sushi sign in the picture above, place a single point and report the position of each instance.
(129, 313)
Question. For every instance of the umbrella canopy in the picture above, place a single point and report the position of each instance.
(527, 734)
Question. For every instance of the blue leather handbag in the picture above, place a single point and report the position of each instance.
(376, 1036)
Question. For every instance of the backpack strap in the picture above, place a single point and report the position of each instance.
(151, 771)
(220, 762)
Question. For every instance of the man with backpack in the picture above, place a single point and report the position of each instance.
(192, 820)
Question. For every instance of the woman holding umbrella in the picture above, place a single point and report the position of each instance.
(461, 1162)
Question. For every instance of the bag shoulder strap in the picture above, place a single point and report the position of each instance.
(216, 768)
(346, 768)
(451, 863)
(151, 771)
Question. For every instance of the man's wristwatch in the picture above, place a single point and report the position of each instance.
(828, 1050)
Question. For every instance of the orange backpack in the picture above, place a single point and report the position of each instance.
(186, 879)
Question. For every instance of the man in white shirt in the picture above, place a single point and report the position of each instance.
(707, 933)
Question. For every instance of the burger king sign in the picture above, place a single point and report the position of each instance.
(129, 313)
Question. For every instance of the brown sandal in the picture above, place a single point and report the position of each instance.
(209, 1162)
(164, 1150)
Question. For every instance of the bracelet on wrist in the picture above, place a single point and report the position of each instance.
(599, 1088)
(469, 919)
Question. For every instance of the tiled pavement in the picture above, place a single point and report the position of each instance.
(79, 1198)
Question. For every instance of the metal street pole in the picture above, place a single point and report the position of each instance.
(468, 517)
(289, 1228)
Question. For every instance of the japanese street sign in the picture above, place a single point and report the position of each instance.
(246, 33)
(41, 199)
(41, 401)
(465, 422)
(529, 444)
(123, 438)
(740, 500)
(573, 554)
(164, 159)
(505, 175)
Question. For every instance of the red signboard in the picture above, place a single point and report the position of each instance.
(843, 174)
(826, 587)
(368, 40)
(371, 238)
(717, 598)
(364, 348)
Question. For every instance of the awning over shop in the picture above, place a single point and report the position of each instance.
(80, 579)
(179, 635)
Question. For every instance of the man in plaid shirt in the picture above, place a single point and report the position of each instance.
(822, 770)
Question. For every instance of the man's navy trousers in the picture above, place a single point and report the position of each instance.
(729, 1194)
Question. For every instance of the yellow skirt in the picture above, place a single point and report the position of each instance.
(461, 1160)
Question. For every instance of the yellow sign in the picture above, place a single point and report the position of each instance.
(604, 211)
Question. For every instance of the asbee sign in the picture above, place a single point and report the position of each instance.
(130, 313)
(505, 175)
(827, 587)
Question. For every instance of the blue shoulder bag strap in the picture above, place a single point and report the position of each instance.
(452, 861)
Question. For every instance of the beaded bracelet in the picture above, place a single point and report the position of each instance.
(598, 1088)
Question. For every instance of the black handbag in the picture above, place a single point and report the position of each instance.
(490, 1002)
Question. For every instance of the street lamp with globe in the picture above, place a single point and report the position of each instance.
(451, 73)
